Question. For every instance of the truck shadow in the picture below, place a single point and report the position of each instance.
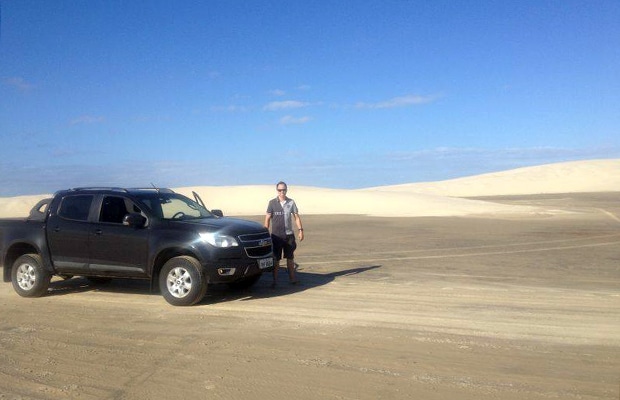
(216, 293)
(78, 284)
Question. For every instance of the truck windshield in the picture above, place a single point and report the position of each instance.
(173, 206)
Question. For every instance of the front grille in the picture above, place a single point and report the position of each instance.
(259, 251)
(257, 245)
(255, 236)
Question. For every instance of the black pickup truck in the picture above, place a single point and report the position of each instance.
(152, 234)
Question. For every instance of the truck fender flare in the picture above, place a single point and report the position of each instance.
(18, 249)
(163, 256)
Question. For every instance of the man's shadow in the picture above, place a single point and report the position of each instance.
(264, 288)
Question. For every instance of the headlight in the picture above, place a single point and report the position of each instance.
(218, 240)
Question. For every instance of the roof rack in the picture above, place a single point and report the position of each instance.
(155, 189)
(122, 190)
(114, 189)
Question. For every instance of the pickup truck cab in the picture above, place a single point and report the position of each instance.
(152, 234)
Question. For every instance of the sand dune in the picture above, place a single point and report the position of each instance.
(408, 200)
(567, 177)
(18, 206)
(252, 200)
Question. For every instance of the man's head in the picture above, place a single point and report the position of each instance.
(281, 188)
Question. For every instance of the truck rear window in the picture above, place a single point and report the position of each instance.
(76, 207)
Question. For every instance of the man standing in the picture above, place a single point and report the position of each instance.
(280, 213)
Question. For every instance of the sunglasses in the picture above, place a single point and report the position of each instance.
(281, 190)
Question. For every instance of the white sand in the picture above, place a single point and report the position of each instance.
(252, 200)
(18, 206)
(567, 177)
(416, 199)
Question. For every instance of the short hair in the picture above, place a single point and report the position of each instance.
(282, 183)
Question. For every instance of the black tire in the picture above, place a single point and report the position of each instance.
(182, 281)
(244, 283)
(29, 277)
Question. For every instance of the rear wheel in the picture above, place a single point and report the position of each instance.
(182, 281)
(29, 277)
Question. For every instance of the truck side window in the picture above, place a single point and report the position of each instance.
(76, 207)
(113, 210)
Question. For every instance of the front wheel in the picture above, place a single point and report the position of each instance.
(182, 281)
(29, 277)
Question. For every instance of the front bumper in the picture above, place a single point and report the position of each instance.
(252, 257)
(229, 271)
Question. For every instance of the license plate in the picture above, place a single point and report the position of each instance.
(265, 263)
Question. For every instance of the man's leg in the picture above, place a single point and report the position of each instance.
(289, 253)
(290, 266)
(276, 267)
(277, 255)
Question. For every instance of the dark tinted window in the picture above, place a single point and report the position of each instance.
(76, 207)
(113, 210)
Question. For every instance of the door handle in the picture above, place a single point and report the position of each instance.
(98, 232)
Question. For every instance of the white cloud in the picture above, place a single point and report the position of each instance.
(277, 92)
(285, 105)
(18, 83)
(151, 118)
(402, 101)
(214, 74)
(86, 119)
(290, 120)
(230, 108)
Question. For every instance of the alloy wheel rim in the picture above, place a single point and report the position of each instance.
(179, 282)
(26, 277)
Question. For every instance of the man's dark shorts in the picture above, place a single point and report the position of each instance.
(281, 245)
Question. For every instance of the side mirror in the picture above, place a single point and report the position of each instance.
(217, 213)
(134, 220)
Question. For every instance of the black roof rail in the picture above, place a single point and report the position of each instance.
(118, 189)
(114, 189)
(155, 189)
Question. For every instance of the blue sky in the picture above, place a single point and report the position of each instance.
(340, 94)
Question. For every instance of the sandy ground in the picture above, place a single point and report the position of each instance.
(512, 307)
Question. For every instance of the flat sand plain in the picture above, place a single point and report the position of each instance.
(510, 307)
